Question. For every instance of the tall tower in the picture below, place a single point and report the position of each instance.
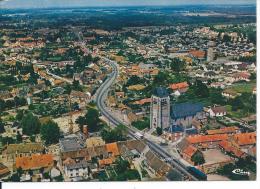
(210, 54)
(210, 51)
(160, 109)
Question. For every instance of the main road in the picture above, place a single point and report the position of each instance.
(101, 96)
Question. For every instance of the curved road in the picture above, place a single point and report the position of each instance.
(101, 95)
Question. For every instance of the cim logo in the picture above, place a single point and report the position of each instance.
(240, 172)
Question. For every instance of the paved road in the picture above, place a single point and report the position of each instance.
(100, 98)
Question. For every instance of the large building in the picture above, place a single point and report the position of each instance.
(183, 114)
(160, 109)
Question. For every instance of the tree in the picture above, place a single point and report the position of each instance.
(252, 76)
(161, 79)
(2, 128)
(19, 138)
(121, 165)
(50, 132)
(81, 120)
(159, 131)
(114, 135)
(30, 124)
(124, 172)
(132, 174)
(200, 89)
(2, 105)
(76, 85)
(226, 38)
(134, 80)
(92, 120)
(141, 124)
(7, 140)
(177, 65)
(19, 171)
(19, 115)
(216, 97)
(198, 158)
(15, 178)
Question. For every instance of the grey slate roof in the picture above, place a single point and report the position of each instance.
(185, 110)
(82, 164)
(69, 144)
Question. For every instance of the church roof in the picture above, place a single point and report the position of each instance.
(185, 109)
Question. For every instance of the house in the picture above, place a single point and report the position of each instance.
(232, 150)
(224, 130)
(183, 114)
(188, 152)
(206, 141)
(217, 85)
(242, 76)
(35, 162)
(106, 162)
(245, 140)
(107, 154)
(179, 88)
(155, 164)
(71, 143)
(13, 151)
(217, 111)
(230, 94)
(77, 170)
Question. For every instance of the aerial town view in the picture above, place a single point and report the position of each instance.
(127, 93)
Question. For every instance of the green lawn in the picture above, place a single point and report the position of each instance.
(244, 87)
(236, 114)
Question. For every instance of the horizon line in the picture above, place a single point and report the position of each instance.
(124, 6)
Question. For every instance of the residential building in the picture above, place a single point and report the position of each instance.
(217, 111)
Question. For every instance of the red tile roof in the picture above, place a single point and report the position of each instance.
(176, 86)
(34, 162)
(206, 138)
(228, 147)
(113, 148)
(244, 75)
(107, 161)
(245, 138)
(189, 151)
(143, 101)
(224, 130)
(197, 53)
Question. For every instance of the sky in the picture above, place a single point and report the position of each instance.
(91, 3)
